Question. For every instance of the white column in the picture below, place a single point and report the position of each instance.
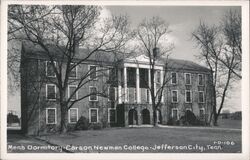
(119, 87)
(138, 97)
(125, 84)
(149, 85)
(162, 78)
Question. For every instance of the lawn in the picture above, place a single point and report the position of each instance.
(145, 140)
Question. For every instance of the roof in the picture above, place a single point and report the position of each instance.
(35, 51)
(185, 64)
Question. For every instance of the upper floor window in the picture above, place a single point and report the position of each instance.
(201, 97)
(92, 72)
(50, 72)
(51, 91)
(174, 96)
(73, 115)
(73, 72)
(188, 96)
(93, 115)
(200, 79)
(112, 93)
(72, 92)
(147, 95)
(93, 94)
(173, 78)
(187, 78)
(50, 115)
(158, 76)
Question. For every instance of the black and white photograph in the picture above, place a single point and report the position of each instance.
(129, 77)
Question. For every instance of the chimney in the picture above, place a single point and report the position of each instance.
(156, 52)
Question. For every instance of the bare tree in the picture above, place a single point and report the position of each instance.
(152, 35)
(223, 58)
(63, 28)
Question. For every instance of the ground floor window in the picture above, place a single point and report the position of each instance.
(73, 115)
(50, 115)
(112, 115)
(93, 115)
(175, 113)
(202, 113)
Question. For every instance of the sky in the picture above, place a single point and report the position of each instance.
(182, 21)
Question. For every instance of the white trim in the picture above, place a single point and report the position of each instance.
(109, 115)
(90, 95)
(47, 92)
(176, 75)
(172, 113)
(108, 95)
(47, 68)
(202, 95)
(191, 98)
(202, 75)
(76, 67)
(189, 109)
(186, 79)
(128, 95)
(48, 115)
(90, 71)
(97, 116)
(176, 95)
(75, 93)
(69, 114)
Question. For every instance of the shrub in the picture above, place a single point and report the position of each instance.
(95, 126)
(173, 122)
(82, 124)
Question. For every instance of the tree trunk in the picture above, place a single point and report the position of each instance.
(64, 111)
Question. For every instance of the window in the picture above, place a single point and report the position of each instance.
(112, 94)
(135, 95)
(93, 72)
(73, 73)
(50, 115)
(73, 115)
(174, 96)
(173, 78)
(147, 95)
(200, 79)
(189, 109)
(175, 113)
(158, 76)
(202, 113)
(112, 115)
(93, 94)
(71, 90)
(201, 97)
(188, 96)
(51, 91)
(93, 115)
(49, 69)
(188, 78)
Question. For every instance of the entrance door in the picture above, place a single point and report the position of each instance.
(132, 117)
(145, 116)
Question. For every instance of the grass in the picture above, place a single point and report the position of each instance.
(176, 138)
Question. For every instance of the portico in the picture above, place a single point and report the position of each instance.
(138, 64)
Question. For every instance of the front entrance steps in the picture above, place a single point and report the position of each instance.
(141, 126)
